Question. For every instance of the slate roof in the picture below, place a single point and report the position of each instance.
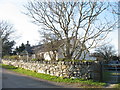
(42, 47)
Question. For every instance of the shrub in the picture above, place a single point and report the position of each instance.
(67, 60)
(87, 60)
(6, 57)
(35, 59)
(61, 59)
(15, 57)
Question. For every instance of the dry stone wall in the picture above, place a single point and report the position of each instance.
(85, 70)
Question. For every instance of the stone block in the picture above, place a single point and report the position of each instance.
(65, 75)
(64, 66)
(57, 74)
(41, 71)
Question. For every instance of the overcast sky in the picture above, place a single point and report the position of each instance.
(11, 10)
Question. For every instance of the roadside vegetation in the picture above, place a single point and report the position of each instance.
(79, 82)
(117, 86)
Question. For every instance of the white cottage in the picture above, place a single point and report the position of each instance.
(48, 51)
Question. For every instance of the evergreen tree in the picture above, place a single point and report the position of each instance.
(7, 48)
(20, 48)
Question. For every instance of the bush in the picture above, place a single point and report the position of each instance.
(61, 59)
(6, 57)
(15, 57)
(35, 59)
(88, 60)
(67, 60)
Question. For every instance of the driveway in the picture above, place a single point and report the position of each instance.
(12, 79)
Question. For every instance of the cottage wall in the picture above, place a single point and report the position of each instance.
(60, 55)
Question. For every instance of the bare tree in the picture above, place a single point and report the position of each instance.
(51, 45)
(6, 31)
(105, 52)
(80, 20)
(115, 8)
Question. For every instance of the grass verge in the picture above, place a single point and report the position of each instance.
(117, 86)
(85, 83)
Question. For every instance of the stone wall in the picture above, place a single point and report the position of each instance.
(85, 70)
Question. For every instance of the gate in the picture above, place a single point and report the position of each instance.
(111, 72)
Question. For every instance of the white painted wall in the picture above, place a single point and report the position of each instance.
(60, 55)
(47, 56)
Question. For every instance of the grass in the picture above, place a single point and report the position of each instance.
(86, 83)
(117, 86)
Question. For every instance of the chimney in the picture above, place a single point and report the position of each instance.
(27, 42)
